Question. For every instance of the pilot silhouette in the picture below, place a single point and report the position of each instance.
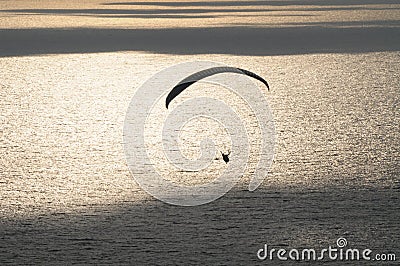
(226, 156)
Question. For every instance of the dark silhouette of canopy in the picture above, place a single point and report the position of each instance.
(206, 73)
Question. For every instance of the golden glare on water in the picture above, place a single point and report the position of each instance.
(192, 13)
(63, 117)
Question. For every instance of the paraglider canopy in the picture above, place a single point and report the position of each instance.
(206, 73)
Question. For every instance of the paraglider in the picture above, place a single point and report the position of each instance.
(186, 82)
(206, 73)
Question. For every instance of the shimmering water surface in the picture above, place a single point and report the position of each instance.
(68, 73)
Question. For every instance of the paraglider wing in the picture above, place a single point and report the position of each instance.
(206, 73)
(254, 75)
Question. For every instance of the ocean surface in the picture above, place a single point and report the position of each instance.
(69, 71)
